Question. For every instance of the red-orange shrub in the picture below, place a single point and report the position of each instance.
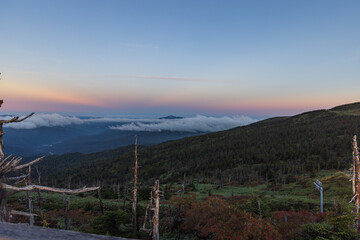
(294, 221)
(216, 219)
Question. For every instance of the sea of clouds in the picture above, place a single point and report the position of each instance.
(44, 120)
(198, 123)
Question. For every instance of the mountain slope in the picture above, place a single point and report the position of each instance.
(110, 139)
(275, 149)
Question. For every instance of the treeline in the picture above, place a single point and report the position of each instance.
(274, 150)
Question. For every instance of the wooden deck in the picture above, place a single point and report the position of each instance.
(10, 231)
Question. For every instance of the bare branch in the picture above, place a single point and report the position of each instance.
(24, 118)
(5, 159)
(10, 179)
(14, 212)
(9, 166)
(16, 119)
(28, 164)
(50, 189)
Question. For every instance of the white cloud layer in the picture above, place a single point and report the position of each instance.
(45, 120)
(193, 124)
(198, 123)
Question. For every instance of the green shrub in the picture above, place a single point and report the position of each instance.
(115, 223)
(340, 225)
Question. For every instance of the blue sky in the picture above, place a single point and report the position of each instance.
(186, 57)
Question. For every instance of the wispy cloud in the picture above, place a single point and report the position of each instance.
(191, 79)
(194, 124)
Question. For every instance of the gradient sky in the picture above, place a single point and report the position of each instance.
(179, 57)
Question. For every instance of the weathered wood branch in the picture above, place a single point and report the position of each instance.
(28, 164)
(14, 212)
(14, 179)
(4, 160)
(49, 189)
(9, 166)
(13, 165)
(16, 119)
(353, 198)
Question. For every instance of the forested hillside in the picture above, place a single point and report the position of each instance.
(276, 149)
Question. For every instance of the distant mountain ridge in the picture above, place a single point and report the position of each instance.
(171, 117)
(276, 150)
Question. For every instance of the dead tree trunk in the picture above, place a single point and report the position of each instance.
(153, 206)
(156, 210)
(147, 215)
(66, 202)
(125, 193)
(39, 194)
(3, 207)
(3, 197)
(1, 142)
(356, 178)
(134, 204)
(357, 169)
(100, 199)
(29, 196)
(118, 196)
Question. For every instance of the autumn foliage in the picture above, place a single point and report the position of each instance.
(214, 218)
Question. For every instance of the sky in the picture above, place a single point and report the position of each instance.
(255, 57)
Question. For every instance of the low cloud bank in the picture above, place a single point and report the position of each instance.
(57, 120)
(44, 120)
(193, 124)
(198, 123)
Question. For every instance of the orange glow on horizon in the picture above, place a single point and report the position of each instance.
(30, 92)
(20, 95)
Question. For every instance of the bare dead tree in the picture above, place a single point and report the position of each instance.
(183, 185)
(49, 189)
(2, 122)
(66, 202)
(134, 204)
(154, 209)
(118, 196)
(10, 164)
(100, 198)
(356, 177)
(29, 196)
(39, 194)
(125, 194)
(147, 217)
